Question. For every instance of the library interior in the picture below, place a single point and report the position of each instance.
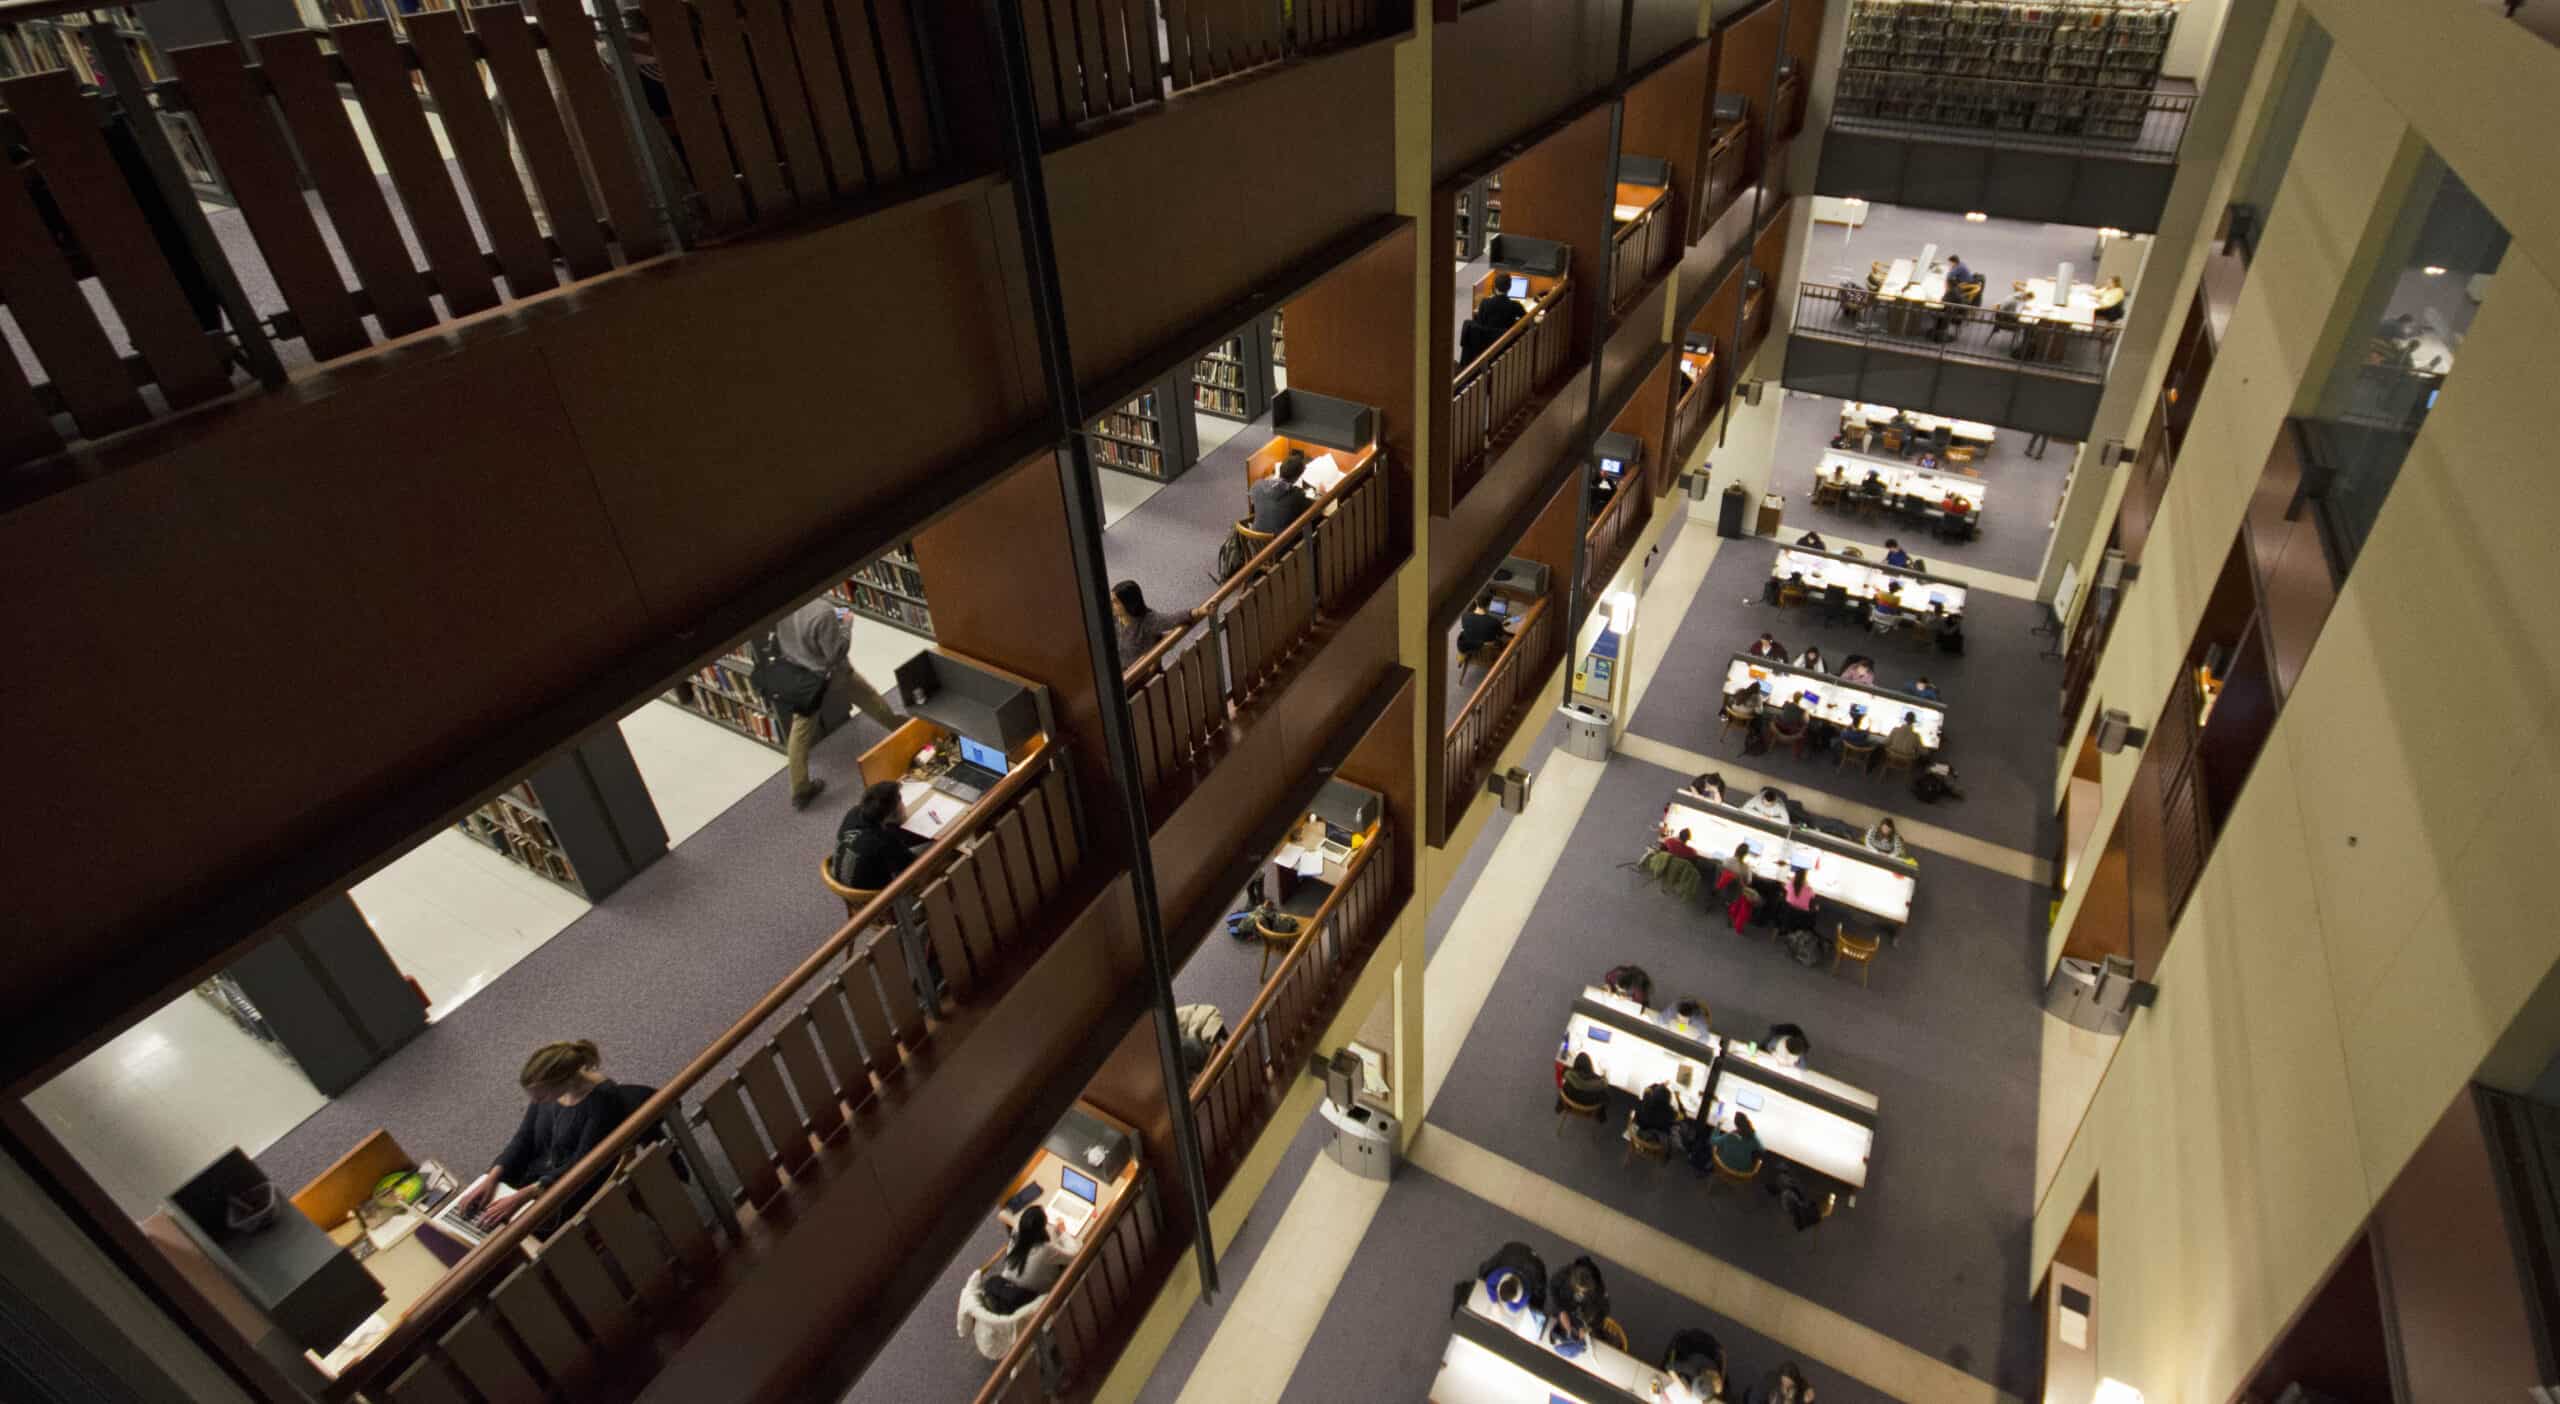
(869, 701)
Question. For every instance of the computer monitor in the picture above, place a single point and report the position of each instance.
(1500, 606)
(1596, 1034)
(1801, 862)
(1517, 287)
(1079, 1184)
(1612, 467)
(990, 757)
(1937, 597)
(1812, 698)
(1754, 845)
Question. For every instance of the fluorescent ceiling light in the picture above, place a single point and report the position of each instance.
(2433, 270)
(1975, 217)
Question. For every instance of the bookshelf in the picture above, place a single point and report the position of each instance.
(68, 41)
(891, 590)
(1483, 198)
(1279, 335)
(1148, 436)
(515, 825)
(720, 691)
(1222, 382)
(1946, 63)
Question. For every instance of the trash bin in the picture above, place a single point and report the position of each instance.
(1363, 1140)
(1586, 730)
(1729, 512)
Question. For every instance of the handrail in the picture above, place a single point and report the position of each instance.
(2154, 123)
(1307, 933)
(1511, 336)
(1272, 550)
(1528, 624)
(499, 1248)
(1954, 331)
(1097, 1234)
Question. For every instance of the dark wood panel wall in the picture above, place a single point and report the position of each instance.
(1523, 471)
(1648, 416)
(1267, 171)
(1804, 35)
(2449, 1262)
(1509, 67)
(1666, 116)
(1553, 538)
(1345, 339)
(1746, 50)
(1559, 189)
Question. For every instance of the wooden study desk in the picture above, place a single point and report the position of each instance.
(1633, 201)
(1864, 580)
(1802, 1116)
(1089, 1144)
(1326, 467)
(1848, 471)
(1499, 1356)
(1844, 873)
(1878, 711)
(900, 757)
(1540, 286)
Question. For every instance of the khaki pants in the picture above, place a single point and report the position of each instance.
(804, 728)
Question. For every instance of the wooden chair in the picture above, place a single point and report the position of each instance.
(1826, 493)
(855, 898)
(1734, 723)
(1887, 764)
(1790, 595)
(1727, 1175)
(1961, 454)
(1793, 740)
(1892, 440)
(1861, 949)
(1566, 1106)
(1861, 747)
(1481, 659)
(1615, 1335)
(1275, 943)
(1646, 1144)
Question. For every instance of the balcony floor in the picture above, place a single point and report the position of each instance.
(2020, 495)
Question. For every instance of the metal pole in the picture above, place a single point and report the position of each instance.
(680, 1131)
(665, 187)
(1760, 187)
(1093, 580)
(134, 98)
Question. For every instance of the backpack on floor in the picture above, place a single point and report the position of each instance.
(1807, 947)
(1232, 554)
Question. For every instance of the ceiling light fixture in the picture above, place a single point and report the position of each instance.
(2433, 270)
(1975, 217)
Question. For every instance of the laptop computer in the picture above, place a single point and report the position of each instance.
(979, 769)
(1071, 1208)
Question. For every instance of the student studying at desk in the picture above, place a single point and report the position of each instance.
(1481, 625)
(572, 1107)
(871, 849)
(1279, 499)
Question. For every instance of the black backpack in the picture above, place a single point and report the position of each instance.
(1807, 947)
(788, 688)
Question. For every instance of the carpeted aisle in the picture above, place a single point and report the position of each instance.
(653, 974)
(1934, 1252)
(2019, 494)
(1169, 543)
(1383, 1336)
(1999, 699)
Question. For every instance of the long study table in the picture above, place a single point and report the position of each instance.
(1499, 1356)
(1865, 579)
(1802, 1116)
(1850, 470)
(1846, 873)
(1854, 706)
(1856, 415)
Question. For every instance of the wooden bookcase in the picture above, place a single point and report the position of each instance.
(1949, 63)
(891, 590)
(1222, 382)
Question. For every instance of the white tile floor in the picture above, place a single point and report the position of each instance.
(1214, 432)
(694, 767)
(455, 916)
(166, 1097)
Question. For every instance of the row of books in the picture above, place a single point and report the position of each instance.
(2122, 44)
(1226, 375)
(63, 41)
(513, 825)
(1111, 453)
(739, 713)
(1128, 426)
(1227, 404)
(1121, 437)
(1279, 347)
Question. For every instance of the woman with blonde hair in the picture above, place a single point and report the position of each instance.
(572, 1108)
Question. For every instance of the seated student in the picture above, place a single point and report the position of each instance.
(1799, 909)
(1812, 541)
(1492, 317)
(1279, 499)
(870, 847)
(1784, 1385)
(1903, 742)
(1885, 839)
(1894, 555)
(1787, 1045)
(1922, 687)
(1859, 669)
(2111, 296)
(1743, 705)
(1733, 884)
(1792, 718)
(1577, 1305)
(1737, 1149)
(1677, 845)
(1767, 646)
(1695, 1361)
(571, 1107)
(1811, 659)
(1655, 1115)
(1033, 1262)
(1709, 786)
(1141, 626)
(1583, 1085)
(1480, 625)
(1690, 1011)
(1874, 484)
(1629, 982)
(1875, 275)
(1949, 628)
(1770, 803)
(1884, 612)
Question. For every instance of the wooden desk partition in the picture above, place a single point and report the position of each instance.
(336, 1192)
(890, 758)
(1642, 197)
(1266, 459)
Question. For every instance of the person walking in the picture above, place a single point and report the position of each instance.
(811, 640)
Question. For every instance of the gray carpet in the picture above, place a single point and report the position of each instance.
(653, 974)
(1191, 1339)
(1999, 699)
(928, 1361)
(2019, 494)
(1934, 1252)
(1384, 1334)
(2001, 250)
(1169, 543)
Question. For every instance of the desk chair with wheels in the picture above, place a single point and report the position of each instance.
(1860, 949)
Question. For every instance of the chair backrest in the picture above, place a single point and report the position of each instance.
(1742, 1176)
(1244, 528)
(1856, 947)
(854, 897)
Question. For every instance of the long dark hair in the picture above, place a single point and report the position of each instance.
(1131, 598)
(1029, 1232)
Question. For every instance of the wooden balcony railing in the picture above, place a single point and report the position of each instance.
(1728, 175)
(1481, 727)
(1622, 519)
(1092, 59)
(555, 183)
(1235, 1096)
(1642, 248)
(1099, 1295)
(1491, 395)
(759, 1140)
(1689, 417)
(1182, 691)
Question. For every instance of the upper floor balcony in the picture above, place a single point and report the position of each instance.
(2015, 368)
